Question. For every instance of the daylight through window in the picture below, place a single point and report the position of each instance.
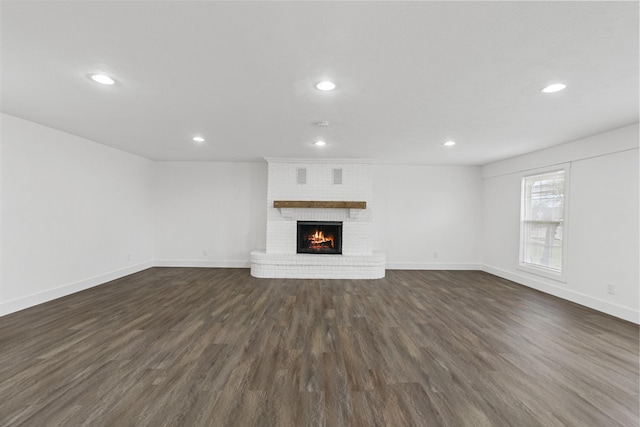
(542, 223)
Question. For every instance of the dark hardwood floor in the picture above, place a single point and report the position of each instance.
(205, 347)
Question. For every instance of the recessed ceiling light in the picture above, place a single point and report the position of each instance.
(101, 78)
(198, 139)
(326, 85)
(556, 87)
(320, 143)
(449, 143)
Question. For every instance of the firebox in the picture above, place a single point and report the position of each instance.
(319, 237)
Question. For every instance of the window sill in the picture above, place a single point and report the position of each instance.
(543, 272)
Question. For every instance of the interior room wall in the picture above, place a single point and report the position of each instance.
(428, 217)
(602, 228)
(209, 214)
(420, 210)
(75, 214)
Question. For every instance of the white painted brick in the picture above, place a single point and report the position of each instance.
(281, 258)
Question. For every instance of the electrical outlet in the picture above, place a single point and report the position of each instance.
(128, 257)
(435, 255)
(611, 289)
(204, 253)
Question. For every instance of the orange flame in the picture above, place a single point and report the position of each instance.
(318, 237)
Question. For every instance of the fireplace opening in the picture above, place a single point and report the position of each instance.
(319, 237)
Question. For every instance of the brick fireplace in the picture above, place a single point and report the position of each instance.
(318, 191)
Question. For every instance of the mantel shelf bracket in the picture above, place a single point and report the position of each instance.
(286, 213)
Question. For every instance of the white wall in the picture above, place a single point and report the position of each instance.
(209, 214)
(602, 229)
(74, 214)
(428, 217)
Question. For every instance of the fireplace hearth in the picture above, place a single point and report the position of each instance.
(319, 237)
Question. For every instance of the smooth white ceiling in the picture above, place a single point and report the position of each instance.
(410, 76)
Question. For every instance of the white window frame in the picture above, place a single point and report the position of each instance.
(560, 276)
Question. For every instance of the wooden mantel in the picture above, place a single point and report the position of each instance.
(317, 204)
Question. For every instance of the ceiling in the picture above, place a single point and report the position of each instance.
(409, 76)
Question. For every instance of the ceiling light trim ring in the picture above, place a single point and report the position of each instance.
(102, 79)
(326, 85)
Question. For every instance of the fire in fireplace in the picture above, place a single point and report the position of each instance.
(319, 237)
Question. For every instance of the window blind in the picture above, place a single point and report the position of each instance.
(542, 220)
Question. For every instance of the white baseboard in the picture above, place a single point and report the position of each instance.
(18, 304)
(615, 310)
(582, 299)
(247, 264)
(244, 263)
(431, 266)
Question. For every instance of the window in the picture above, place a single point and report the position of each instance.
(543, 223)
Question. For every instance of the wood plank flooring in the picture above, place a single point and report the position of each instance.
(216, 347)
